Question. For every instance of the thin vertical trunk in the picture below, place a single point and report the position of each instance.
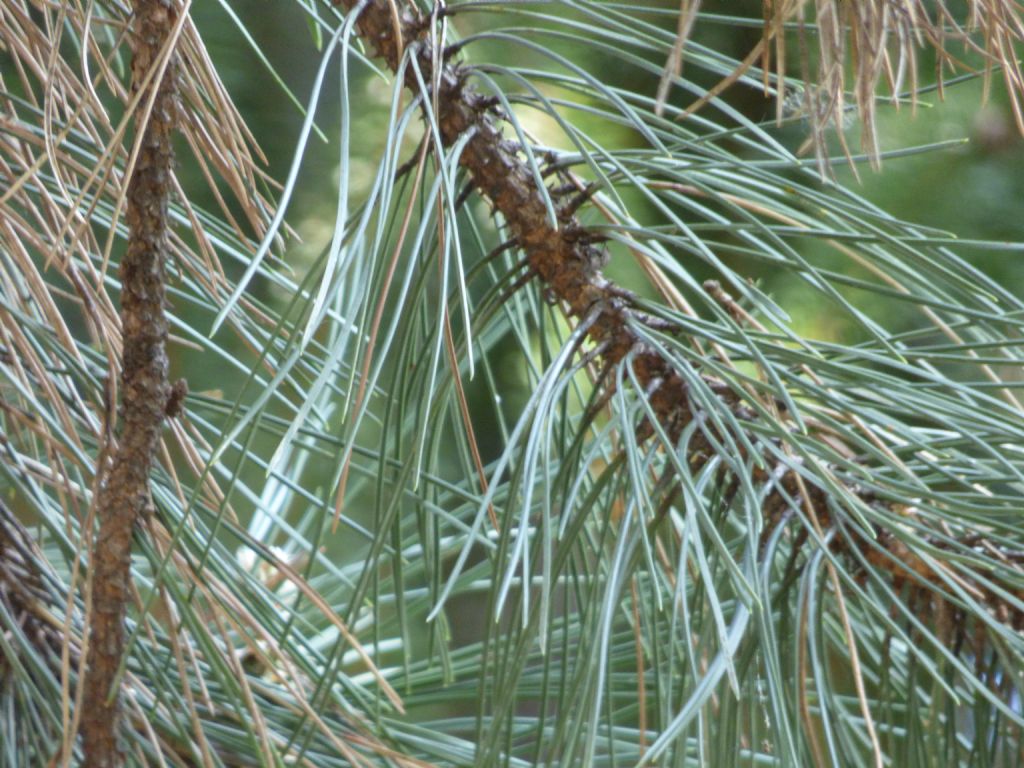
(144, 389)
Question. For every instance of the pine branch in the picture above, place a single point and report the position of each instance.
(124, 494)
(563, 256)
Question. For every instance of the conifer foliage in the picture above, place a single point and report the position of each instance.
(463, 498)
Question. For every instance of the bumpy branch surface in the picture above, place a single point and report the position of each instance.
(124, 494)
(562, 256)
(565, 259)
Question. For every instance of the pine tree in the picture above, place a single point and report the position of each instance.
(456, 495)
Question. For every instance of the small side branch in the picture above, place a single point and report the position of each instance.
(124, 494)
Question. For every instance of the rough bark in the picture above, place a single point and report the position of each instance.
(124, 494)
(565, 255)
